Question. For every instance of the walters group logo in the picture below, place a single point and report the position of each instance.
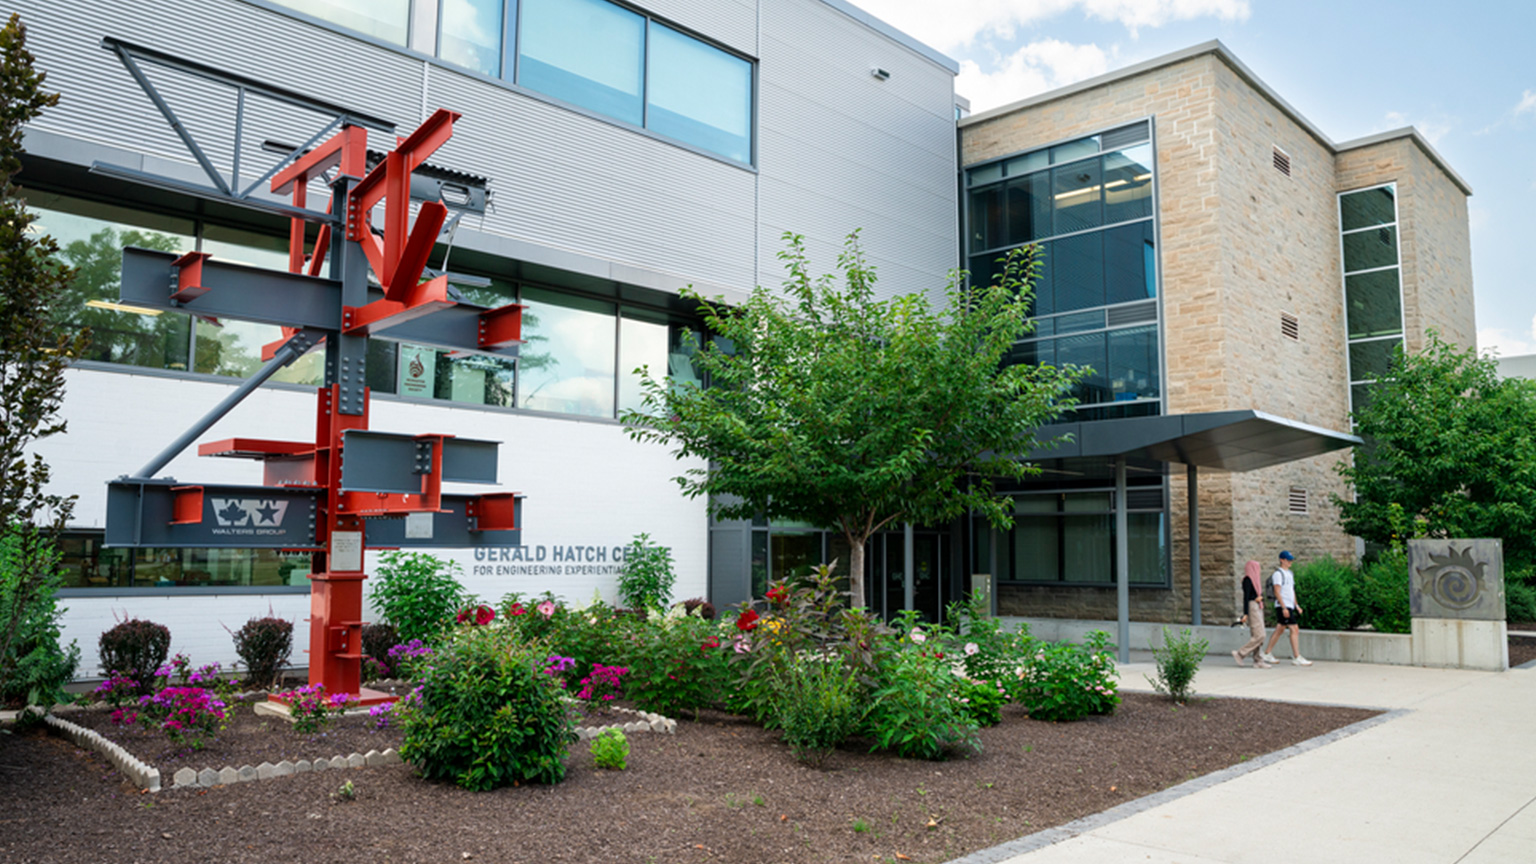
(249, 512)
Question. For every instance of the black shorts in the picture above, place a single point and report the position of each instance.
(1288, 616)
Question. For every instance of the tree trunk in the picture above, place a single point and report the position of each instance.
(856, 571)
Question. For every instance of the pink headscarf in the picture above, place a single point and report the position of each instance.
(1253, 571)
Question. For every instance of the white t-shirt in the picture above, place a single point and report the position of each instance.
(1287, 582)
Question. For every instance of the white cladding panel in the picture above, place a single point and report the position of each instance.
(589, 488)
(732, 23)
(841, 150)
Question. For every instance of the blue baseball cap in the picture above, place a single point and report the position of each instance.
(1286, 556)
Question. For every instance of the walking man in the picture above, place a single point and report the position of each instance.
(1287, 610)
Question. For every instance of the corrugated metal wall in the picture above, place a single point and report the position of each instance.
(838, 150)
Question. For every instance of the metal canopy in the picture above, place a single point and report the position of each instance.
(1226, 440)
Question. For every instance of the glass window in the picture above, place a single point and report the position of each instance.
(1130, 268)
(699, 94)
(469, 34)
(985, 267)
(388, 20)
(1087, 350)
(1035, 549)
(1074, 150)
(1366, 250)
(1128, 184)
(986, 174)
(1033, 353)
(1375, 304)
(1371, 360)
(1029, 208)
(1367, 208)
(1077, 271)
(587, 52)
(91, 238)
(641, 344)
(1087, 544)
(1148, 544)
(233, 348)
(1078, 196)
(1133, 364)
(568, 360)
(85, 564)
(1028, 162)
(987, 218)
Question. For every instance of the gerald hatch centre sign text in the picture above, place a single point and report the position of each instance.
(543, 560)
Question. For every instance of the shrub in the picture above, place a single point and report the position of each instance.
(264, 645)
(817, 701)
(409, 659)
(33, 666)
(311, 709)
(485, 715)
(645, 581)
(1063, 681)
(417, 593)
(610, 749)
(1178, 659)
(1384, 592)
(188, 715)
(983, 702)
(916, 711)
(378, 638)
(135, 648)
(677, 665)
(1519, 597)
(1326, 589)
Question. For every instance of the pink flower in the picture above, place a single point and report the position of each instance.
(919, 636)
(546, 608)
(971, 648)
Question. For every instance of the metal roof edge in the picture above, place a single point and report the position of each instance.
(895, 35)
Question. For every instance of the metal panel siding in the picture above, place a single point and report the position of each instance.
(573, 182)
(101, 100)
(839, 149)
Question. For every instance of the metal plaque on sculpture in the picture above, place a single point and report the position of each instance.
(1456, 579)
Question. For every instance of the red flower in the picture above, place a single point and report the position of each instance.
(517, 609)
(779, 595)
(711, 642)
(747, 621)
(484, 615)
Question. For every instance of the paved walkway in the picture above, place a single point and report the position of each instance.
(1449, 775)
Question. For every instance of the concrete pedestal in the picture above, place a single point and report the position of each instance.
(1455, 643)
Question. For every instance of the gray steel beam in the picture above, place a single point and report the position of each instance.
(1122, 565)
(451, 529)
(393, 463)
(1194, 544)
(140, 513)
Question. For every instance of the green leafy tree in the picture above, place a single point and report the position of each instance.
(830, 406)
(1450, 452)
(34, 352)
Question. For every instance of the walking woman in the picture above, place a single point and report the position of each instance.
(1253, 614)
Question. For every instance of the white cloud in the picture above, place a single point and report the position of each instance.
(1035, 68)
(1527, 104)
(957, 23)
(1505, 343)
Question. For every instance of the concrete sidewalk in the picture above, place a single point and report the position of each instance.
(1449, 775)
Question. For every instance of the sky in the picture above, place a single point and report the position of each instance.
(1464, 75)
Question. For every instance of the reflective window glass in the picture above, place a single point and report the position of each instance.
(1133, 363)
(641, 344)
(1035, 547)
(1128, 184)
(1087, 542)
(987, 218)
(1078, 322)
(476, 379)
(1366, 250)
(469, 34)
(699, 94)
(91, 238)
(985, 174)
(1029, 208)
(1087, 350)
(1077, 271)
(1074, 150)
(1148, 546)
(233, 348)
(567, 361)
(1078, 196)
(388, 20)
(1028, 162)
(1032, 353)
(587, 52)
(1130, 269)
(1374, 304)
(1370, 207)
(1371, 360)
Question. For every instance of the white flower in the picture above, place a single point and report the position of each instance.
(971, 648)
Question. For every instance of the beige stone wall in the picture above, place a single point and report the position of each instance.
(1240, 244)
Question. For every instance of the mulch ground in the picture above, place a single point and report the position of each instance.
(719, 790)
(1522, 649)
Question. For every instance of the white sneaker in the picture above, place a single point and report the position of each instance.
(1300, 661)
(1239, 658)
(1268, 658)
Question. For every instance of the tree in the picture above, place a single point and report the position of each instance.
(1450, 452)
(832, 407)
(34, 351)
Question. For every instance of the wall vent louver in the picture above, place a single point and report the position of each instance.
(1290, 326)
(1298, 501)
(1282, 162)
(1125, 136)
(1132, 313)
